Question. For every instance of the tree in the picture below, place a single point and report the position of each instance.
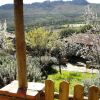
(90, 17)
(41, 38)
(93, 52)
(5, 41)
(36, 37)
(67, 32)
(42, 42)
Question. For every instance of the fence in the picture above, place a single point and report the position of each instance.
(93, 93)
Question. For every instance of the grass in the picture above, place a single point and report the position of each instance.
(72, 77)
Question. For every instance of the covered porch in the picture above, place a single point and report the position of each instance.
(23, 90)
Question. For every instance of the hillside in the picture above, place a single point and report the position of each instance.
(46, 13)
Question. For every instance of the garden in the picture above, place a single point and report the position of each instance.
(45, 48)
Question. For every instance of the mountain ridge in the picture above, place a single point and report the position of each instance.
(55, 12)
(48, 2)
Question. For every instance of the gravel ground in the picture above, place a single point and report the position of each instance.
(74, 68)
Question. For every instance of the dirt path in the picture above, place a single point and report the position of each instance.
(74, 68)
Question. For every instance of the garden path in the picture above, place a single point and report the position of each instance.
(74, 68)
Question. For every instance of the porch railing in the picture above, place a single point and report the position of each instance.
(93, 93)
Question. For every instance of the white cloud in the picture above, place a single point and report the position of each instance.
(94, 1)
(5, 1)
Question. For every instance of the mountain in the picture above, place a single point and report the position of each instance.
(46, 13)
(80, 2)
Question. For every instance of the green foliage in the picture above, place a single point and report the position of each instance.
(5, 39)
(67, 32)
(94, 80)
(37, 37)
(72, 49)
(72, 77)
(34, 69)
(39, 13)
(41, 40)
(7, 69)
(48, 70)
(8, 44)
(85, 28)
(52, 40)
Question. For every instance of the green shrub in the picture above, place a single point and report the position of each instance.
(46, 64)
(67, 32)
(85, 28)
(8, 69)
(91, 81)
(34, 69)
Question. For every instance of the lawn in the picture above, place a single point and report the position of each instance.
(72, 77)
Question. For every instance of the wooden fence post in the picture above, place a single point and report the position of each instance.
(64, 91)
(78, 92)
(93, 93)
(49, 90)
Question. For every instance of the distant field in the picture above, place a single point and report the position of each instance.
(73, 25)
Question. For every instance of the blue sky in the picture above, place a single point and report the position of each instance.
(30, 1)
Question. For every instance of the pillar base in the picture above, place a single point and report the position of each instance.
(12, 92)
